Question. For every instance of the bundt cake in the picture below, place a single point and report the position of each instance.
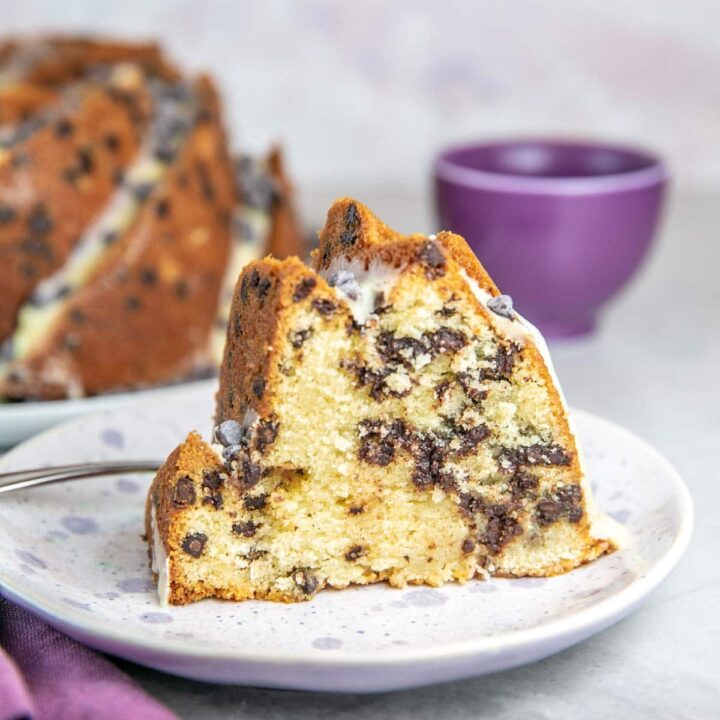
(384, 416)
(123, 219)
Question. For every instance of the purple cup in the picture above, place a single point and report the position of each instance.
(559, 225)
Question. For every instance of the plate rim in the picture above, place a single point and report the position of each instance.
(581, 623)
(90, 405)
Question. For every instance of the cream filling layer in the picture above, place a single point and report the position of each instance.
(160, 563)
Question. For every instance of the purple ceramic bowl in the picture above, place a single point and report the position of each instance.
(560, 225)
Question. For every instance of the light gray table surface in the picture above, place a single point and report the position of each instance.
(654, 367)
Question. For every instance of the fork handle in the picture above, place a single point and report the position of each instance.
(20, 479)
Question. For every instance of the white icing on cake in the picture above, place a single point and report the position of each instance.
(359, 286)
(160, 563)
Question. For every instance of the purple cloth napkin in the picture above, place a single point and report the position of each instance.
(44, 675)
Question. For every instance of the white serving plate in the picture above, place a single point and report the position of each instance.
(21, 420)
(73, 554)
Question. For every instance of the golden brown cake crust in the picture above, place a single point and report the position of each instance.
(265, 289)
(68, 57)
(423, 443)
(156, 288)
(285, 238)
(51, 188)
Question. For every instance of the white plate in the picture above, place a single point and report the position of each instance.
(73, 554)
(21, 420)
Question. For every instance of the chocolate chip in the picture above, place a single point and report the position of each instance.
(39, 222)
(246, 529)
(378, 441)
(304, 288)
(183, 492)
(162, 208)
(447, 340)
(468, 545)
(7, 214)
(500, 528)
(502, 305)
(306, 581)
(251, 473)
(36, 246)
(212, 483)
(352, 216)
(264, 287)
(354, 553)
(265, 434)
(85, 160)
(166, 155)
(77, 316)
(441, 389)
(254, 553)
(71, 174)
(563, 503)
(323, 306)
(142, 191)
(298, 337)
(63, 128)
(71, 341)
(545, 455)
(433, 259)
(181, 290)
(212, 479)
(112, 142)
(356, 509)
(470, 438)
(28, 270)
(194, 544)
(148, 276)
(229, 432)
(352, 222)
(245, 288)
(255, 502)
(258, 387)
(510, 459)
(523, 485)
(504, 361)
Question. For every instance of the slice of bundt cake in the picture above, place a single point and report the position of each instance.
(123, 221)
(386, 415)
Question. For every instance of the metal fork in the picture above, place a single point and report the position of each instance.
(19, 479)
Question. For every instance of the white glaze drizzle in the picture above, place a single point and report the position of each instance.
(360, 286)
(160, 562)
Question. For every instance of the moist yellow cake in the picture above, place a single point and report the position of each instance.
(383, 416)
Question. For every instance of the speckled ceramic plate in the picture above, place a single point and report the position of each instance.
(22, 420)
(73, 554)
